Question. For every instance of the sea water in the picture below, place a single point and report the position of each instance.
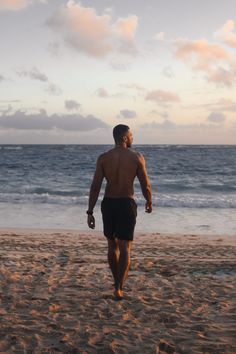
(47, 186)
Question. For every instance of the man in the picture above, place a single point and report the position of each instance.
(119, 166)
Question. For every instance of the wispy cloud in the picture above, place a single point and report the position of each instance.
(53, 89)
(159, 36)
(2, 78)
(226, 33)
(168, 72)
(154, 112)
(166, 125)
(22, 120)
(161, 96)
(92, 34)
(216, 117)
(221, 105)
(7, 110)
(16, 5)
(34, 74)
(101, 92)
(135, 87)
(71, 105)
(54, 49)
(200, 53)
(127, 114)
(215, 61)
(169, 125)
(120, 66)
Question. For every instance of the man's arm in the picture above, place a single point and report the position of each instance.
(94, 192)
(144, 183)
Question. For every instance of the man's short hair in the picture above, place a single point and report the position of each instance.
(119, 131)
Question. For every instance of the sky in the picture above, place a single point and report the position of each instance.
(72, 70)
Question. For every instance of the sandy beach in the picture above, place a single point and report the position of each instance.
(56, 294)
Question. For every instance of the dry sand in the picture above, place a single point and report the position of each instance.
(56, 295)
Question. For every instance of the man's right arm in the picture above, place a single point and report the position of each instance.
(94, 192)
(144, 182)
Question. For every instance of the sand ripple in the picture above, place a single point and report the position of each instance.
(56, 295)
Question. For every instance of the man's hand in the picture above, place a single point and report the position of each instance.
(91, 222)
(148, 208)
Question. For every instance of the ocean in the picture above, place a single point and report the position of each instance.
(47, 186)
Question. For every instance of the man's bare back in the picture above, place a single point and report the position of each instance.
(120, 167)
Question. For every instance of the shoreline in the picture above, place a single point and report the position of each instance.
(57, 294)
(163, 220)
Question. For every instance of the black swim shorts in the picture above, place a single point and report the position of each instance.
(119, 218)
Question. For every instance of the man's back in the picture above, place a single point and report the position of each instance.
(120, 166)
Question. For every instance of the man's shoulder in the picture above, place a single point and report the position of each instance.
(110, 153)
(104, 155)
(101, 157)
(138, 154)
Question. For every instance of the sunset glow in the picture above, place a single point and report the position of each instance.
(169, 74)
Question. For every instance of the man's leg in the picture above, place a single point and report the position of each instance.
(113, 257)
(123, 264)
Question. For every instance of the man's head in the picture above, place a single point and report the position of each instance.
(122, 135)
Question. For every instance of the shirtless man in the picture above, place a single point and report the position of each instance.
(119, 166)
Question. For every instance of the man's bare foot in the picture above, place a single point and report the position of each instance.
(118, 294)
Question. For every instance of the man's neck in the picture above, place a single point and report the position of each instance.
(121, 145)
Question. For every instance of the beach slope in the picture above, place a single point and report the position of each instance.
(56, 294)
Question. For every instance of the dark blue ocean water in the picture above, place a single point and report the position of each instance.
(194, 187)
(181, 176)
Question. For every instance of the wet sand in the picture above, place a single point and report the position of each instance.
(56, 294)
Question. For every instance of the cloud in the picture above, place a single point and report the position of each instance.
(162, 114)
(37, 75)
(126, 27)
(54, 49)
(2, 78)
(221, 105)
(216, 117)
(168, 72)
(159, 36)
(200, 53)
(53, 89)
(127, 114)
(212, 59)
(226, 33)
(6, 110)
(171, 126)
(161, 96)
(20, 120)
(119, 66)
(72, 105)
(95, 35)
(167, 124)
(10, 101)
(16, 5)
(221, 75)
(34, 74)
(226, 105)
(133, 87)
(101, 92)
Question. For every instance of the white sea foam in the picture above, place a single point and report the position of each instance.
(163, 220)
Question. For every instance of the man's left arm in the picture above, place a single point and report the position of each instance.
(94, 192)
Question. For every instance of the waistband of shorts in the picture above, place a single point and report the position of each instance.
(119, 198)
